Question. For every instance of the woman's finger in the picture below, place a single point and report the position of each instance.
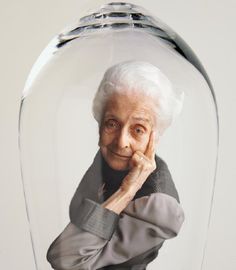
(150, 150)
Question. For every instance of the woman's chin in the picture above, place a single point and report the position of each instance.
(118, 165)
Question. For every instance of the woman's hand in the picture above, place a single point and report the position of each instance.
(141, 166)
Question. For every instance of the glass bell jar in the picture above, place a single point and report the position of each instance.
(59, 141)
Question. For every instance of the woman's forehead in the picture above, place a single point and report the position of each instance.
(134, 100)
(125, 107)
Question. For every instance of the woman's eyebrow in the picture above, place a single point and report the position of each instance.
(143, 119)
(107, 115)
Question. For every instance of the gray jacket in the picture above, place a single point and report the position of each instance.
(97, 238)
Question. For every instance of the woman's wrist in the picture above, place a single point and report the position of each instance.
(119, 200)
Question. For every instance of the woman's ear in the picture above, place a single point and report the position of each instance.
(99, 133)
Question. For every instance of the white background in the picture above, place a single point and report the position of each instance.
(27, 27)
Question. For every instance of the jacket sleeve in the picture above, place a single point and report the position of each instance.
(100, 237)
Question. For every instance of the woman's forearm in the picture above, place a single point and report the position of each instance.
(130, 185)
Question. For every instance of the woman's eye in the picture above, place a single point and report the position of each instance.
(111, 125)
(139, 130)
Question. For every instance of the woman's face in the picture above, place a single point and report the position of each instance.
(126, 126)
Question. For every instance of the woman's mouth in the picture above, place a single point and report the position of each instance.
(119, 155)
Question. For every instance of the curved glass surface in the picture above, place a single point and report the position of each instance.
(58, 136)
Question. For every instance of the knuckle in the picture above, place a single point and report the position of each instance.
(153, 165)
(135, 156)
(139, 166)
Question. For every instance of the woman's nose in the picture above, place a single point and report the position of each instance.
(123, 139)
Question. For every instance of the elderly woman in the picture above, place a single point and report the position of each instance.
(126, 205)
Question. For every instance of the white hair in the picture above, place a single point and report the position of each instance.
(140, 77)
